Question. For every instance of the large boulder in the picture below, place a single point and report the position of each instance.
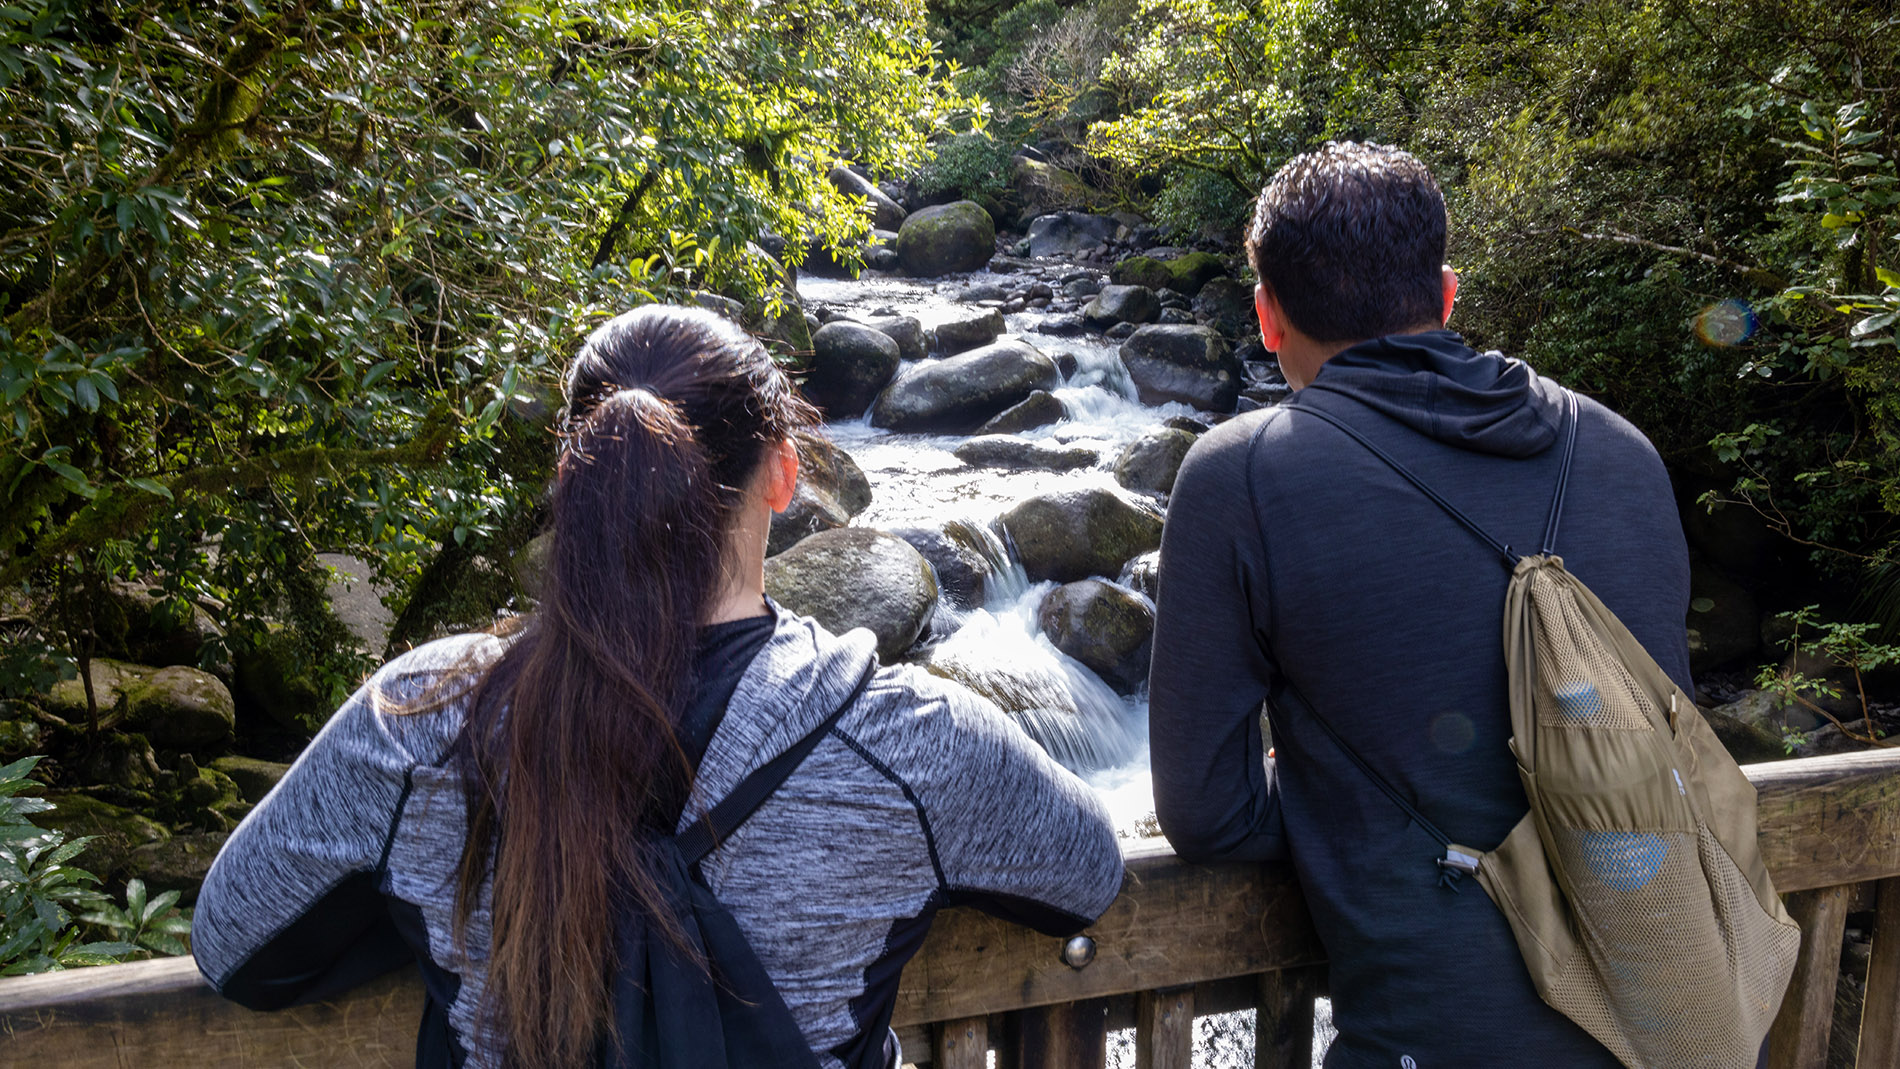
(957, 394)
(1039, 409)
(1183, 363)
(850, 364)
(116, 832)
(1043, 187)
(1227, 305)
(886, 214)
(959, 236)
(856, 577)
(150, 626)
(1107, 628)
(970, 330)
(1076, 533)
(955, 552)
(1122, 304)
(1067, 233)
(1009, 451)
(1151, 461)
(179, 863)
(1184, 274)
(906, 331)
(175, 708)
(831, 489)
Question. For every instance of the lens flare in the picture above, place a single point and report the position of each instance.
(1725, 324)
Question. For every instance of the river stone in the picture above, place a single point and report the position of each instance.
(1747, 742)
(956, 556)
(1039, 409)
(117, 832)
(180, 863)
(1009, 451)
(176, 708)
(1185, 275)
(1768, 711)
(1122, 304)
(831, 489)
(1076, 533)
(1183, 363)
(1143, 575)
(1067, 233)
(960, 393)
(959, 236)
(209, 798)
(117, 759)
(1227, 305)
(886, 214)
(856, 577)
(971, 330)
(906, 331)
(253, 776)
(850, 363)
(1107, 628)
(1151, 461)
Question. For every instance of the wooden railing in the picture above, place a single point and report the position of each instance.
(1183, 940)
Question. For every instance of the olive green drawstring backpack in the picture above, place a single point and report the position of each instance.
(1635, 886)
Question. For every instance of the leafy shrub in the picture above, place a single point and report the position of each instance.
(39, 889)
(1196, 202)
(972, 166)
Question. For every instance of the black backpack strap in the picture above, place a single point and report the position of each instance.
(702, 836)
(1563, 476)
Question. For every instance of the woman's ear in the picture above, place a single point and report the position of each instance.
(781, 475)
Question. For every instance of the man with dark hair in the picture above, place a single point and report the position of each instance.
(1300, 572)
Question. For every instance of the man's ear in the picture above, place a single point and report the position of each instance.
(1451, 291)
(1272, 319)
(781, 475)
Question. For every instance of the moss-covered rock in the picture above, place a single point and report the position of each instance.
(252, 776)
(175, 708)
(1151, 461)
(1077, 533)
(176, 864)
(274, 686)
(1185, 275)
(831, 489)
(1041, 188)
(959, 236)
(118, 832)
(1107, 628)
(19, 738)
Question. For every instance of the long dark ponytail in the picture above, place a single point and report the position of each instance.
(569, 753)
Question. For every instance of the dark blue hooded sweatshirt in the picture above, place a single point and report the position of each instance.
(1293, 554)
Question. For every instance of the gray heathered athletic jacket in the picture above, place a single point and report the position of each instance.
(923, 795)
(1293, 554)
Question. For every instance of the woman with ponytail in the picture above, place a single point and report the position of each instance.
(498, 808)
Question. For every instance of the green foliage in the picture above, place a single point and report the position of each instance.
(39, 889)
(286, 277)
(1194, 201)
(972, 166)
(156, 924)
(1845, 646)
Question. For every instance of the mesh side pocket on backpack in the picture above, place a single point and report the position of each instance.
(1655, 981)
(1582, 683)
(1762, 949)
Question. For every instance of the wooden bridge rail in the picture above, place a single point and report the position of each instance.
(1182, 941)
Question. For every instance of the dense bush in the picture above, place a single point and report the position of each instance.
(286, 277)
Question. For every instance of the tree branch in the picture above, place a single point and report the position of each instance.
(1760, 276)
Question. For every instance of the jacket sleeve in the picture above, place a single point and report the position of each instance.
(292, 910)
(1016, 834)
(1214, 788)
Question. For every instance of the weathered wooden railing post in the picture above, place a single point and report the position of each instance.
(1182, 940)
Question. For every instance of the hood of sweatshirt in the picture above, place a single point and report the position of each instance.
(799, 678)
(1439, 386)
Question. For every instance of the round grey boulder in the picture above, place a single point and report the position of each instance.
(906, 331)
(1122, 304)
(960, 393)
(1009, 451)
(1151, 461)
(1107, 628)
(856, 577)
(175, 708)
(1039, 409)
(970, 330)
(1227, 305)
(831, 489)
(1190, 364)
(253, 776)
(1076, 533)
(959, 236)
(850, 363)
(1067, 233)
